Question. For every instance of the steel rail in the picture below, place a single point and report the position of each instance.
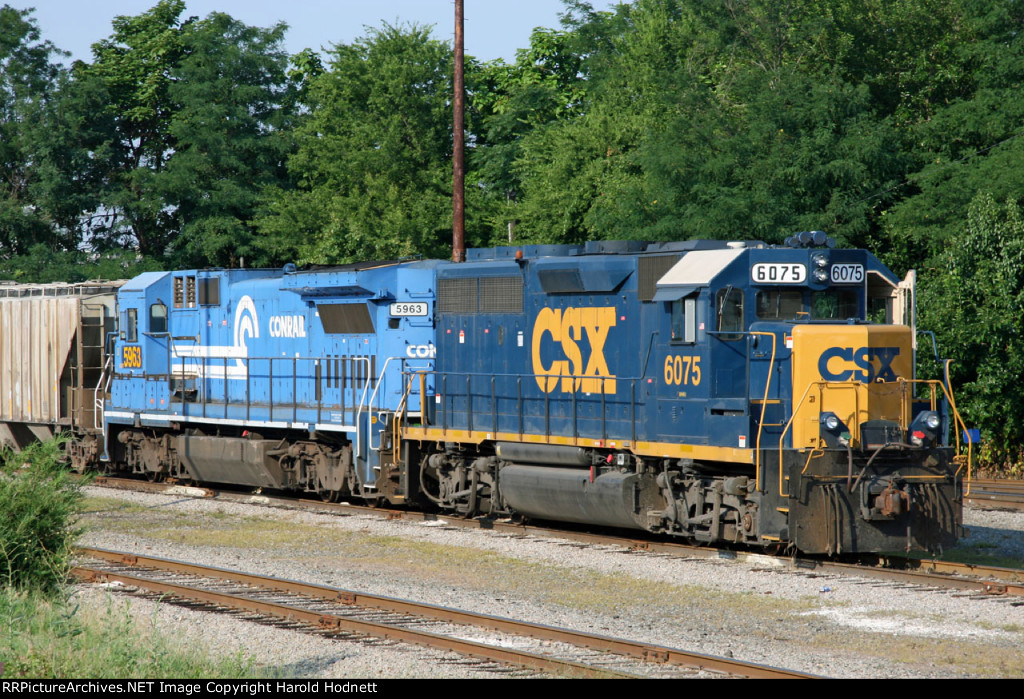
(996, 493)
(985, 580)
(645, 652)
(339, 624)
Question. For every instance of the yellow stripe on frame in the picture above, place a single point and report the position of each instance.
(657, 449)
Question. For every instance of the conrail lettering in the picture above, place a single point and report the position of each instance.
(834, 362)
(567, 328)
(287, 326)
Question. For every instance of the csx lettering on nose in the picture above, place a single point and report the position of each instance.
(871, 363)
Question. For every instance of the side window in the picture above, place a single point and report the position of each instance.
(158, 318)
(729, 307)
(684, 320)
(132, 334)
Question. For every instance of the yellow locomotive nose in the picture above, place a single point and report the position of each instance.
(855, 373)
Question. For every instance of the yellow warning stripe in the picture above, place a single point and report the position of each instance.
(665, 450)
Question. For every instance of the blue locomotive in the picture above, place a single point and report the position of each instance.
(718, 391)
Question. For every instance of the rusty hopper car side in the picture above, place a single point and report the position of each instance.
(52, 339)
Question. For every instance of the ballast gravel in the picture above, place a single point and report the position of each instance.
(759, 611)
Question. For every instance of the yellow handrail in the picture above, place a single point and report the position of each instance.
(931, 383)
(764, 406)
(399, 413)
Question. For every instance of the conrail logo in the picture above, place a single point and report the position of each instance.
(872, 363)
(566, 329)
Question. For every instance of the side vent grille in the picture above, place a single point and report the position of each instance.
(652, 269)
(483, 295)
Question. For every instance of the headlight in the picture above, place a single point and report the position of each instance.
(924, 430)
(820, 276)
(820, 259)
(833, 431)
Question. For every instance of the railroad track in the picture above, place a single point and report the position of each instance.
(980, 580)
(344, 613)
(999, 494)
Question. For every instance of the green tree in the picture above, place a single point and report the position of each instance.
(27, 81)
(191, 124)
(231, 102)
(132, 70)
(802, 153)
(972, 141)
(975, 302)
(372, 167)
(582, 101)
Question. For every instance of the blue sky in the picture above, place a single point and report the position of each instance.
(494, 28)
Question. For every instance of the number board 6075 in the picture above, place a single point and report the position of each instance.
(778, 273)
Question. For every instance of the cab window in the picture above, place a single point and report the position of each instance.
(835, 304)
(158, 318)
(132, 330)
(780, 304)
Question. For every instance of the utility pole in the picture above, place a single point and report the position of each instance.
(458, 150)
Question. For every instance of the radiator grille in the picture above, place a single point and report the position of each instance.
(484, 295)
(652, 269)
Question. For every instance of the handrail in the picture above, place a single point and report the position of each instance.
(99, 396)
(764, 407)
(400, 411)
(369, 406)
(199, 364)
(598, 397)
(826, 385)
(947, 388)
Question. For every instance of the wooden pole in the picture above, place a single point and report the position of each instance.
(458, 150)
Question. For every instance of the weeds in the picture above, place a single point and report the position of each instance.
(39, 505)
(42, 636)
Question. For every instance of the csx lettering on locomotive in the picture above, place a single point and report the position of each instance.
(833, 365)
(566, 328)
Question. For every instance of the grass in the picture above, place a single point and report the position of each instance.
(954, 655)
(977, 554)
(43, 637)
(102, 505)
(42, 634)
(39, 504)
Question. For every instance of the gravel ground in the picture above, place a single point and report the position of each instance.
(755, 611)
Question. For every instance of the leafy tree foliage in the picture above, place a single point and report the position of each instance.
(27, 81)
(976, 300)
(163, 142)
(229, 91)
(373, 160)
(132, 70)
